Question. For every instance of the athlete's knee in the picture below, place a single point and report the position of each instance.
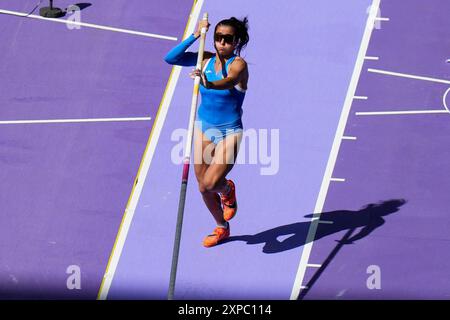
(211, 183)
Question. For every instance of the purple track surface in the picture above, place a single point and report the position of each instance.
(64, 186)
(395, 157)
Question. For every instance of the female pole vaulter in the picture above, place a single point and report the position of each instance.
(219, 128)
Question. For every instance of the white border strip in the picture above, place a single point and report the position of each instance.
(337, 179)
(381, 19)
(405, 75)
(74, 120)
(297, 287)
(129, 212)
(372, 58)
(89, 25)
(348, 138)
(360, 97)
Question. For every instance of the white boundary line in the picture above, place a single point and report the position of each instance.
(297, 287)
(73, 120)
(381, 19)
(409, 76)
(405, 75)
(146, 161)
(372, 58)
(348, 138)
(337, 179)
(360, 97)
(383, 113)
(444, 98)
(90, 25)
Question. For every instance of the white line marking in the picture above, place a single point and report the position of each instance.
(303, 287)
(360, 98)
(405, 75)
(297, 287)
(348, 138)
(337, 179)
(90, 25)
(326, 222)
(372, 58)
(311, 265)
(444, 99)
(74, 120)
(382, 113)
(145, 165)
(382, 19)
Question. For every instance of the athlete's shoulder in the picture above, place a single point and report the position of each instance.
(239, 62)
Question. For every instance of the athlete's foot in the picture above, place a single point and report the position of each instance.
(219, 234)
(229, 202)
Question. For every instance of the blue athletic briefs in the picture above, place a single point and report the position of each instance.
(220, 111)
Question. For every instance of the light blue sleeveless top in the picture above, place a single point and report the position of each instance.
(220, 107)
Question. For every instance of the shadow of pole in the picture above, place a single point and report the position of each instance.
(325, 264)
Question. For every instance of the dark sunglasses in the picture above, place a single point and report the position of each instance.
(227, 38)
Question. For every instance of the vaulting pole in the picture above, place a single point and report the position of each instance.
(186, 162)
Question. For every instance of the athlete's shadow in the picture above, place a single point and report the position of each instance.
(368, 219)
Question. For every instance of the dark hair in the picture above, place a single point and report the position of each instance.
(241, 31)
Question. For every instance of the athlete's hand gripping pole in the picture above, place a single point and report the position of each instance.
(186, 162)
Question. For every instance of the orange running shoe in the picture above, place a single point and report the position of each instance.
(229, 203)
(218, 235)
